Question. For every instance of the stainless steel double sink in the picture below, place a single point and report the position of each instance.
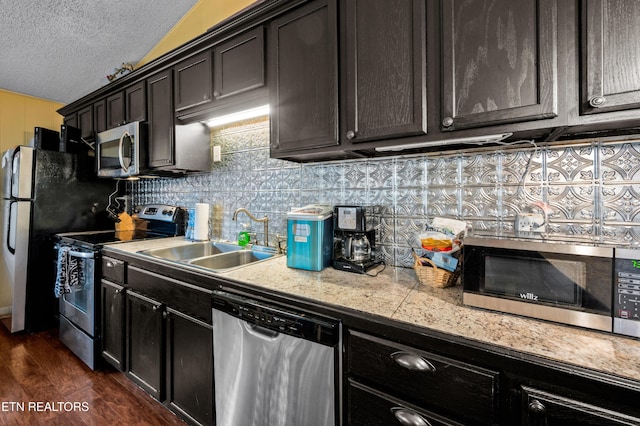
(212, 255)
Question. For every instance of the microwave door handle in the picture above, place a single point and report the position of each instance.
(120, 153)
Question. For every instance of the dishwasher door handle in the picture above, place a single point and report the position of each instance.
(262, 332)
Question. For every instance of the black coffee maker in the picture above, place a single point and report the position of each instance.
(355, 233)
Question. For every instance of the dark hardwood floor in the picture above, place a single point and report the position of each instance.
(40, 380)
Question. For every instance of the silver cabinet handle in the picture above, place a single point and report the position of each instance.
(412, 362)
(156, 308)
(351, 134)
(447, 122)
(110, 264)
(537, 408)
(597, 101)
(408, 417)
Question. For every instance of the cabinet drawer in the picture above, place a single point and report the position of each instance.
(542, 408)
(368, 407)
(431, 381)
(181, 296)
(113, 270)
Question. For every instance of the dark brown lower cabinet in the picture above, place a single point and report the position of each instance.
(190, 367)
(112, 324)
(368, 407)
(540, 408)
(145, 343)
(448, 387)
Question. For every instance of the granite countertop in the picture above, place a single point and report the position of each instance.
(397, 294)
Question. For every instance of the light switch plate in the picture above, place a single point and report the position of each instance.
(217, 154)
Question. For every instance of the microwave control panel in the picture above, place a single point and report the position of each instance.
(626, 305)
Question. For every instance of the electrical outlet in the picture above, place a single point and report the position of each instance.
(530, 222)
(217, 153)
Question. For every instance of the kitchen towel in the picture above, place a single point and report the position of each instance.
(201, 225)
(69, 272)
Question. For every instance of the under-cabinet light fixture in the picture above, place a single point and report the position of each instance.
(473, 140)
(239, 116)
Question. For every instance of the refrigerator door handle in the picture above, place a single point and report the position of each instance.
(11, 249)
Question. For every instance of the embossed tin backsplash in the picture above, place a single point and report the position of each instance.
(593, 189)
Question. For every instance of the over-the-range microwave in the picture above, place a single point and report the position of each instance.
(121, 151)
(590, 286)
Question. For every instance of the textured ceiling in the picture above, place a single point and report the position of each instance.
(61, 50)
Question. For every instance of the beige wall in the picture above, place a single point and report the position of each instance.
(19, 114)
(202, 16)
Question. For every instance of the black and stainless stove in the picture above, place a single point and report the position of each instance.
(79, 271)
(163, 221)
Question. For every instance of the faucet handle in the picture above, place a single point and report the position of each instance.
(253, 238)
(279, 240)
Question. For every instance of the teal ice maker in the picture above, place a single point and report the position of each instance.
(310, 237)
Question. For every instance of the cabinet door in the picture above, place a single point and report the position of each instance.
(112, 324)
(499, 62)
(544, 408)
(239, 64)
(190, 367)
(611, 39)
(100, 116)
(193, 81)
(160, 103)
(145, 343)
(304, 79)
(115, 110)
(385, 69)
(136, 102)
(71, 120)
(85, 122)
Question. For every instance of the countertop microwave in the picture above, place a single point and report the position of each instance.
(121, 152)
(567, 283)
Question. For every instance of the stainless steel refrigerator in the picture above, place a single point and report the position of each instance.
(44, 192)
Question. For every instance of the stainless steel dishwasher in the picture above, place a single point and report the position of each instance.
(273, 365)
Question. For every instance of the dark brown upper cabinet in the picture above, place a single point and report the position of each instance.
(115, 110)
(85, 122)
(100, 116)
(499, 62)
(136, 102)
(83, 119)
(161, 121)
(193, 84)
(610, 38)
(239, 64)
(384, 93)
(127, 105)
(303, 78)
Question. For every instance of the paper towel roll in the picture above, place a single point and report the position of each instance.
(201, 225)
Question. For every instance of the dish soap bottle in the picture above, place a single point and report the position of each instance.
(243, 236)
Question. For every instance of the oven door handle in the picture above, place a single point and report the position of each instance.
(82, 254)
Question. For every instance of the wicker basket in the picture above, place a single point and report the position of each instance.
(431, 275)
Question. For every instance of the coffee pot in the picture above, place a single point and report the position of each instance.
(356, 248)
(355, 236)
